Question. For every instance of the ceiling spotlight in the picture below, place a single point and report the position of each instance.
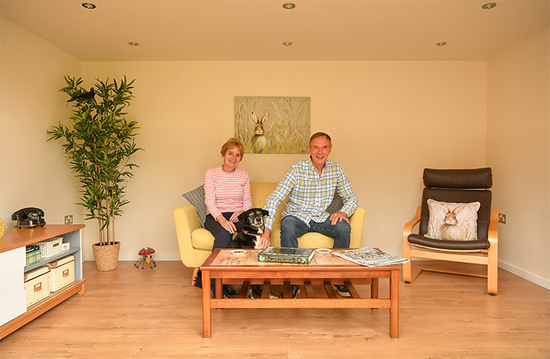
(289, 5)
(489, 5)
(441, 43)
(133, 43)
(88, 5)
(287, 43)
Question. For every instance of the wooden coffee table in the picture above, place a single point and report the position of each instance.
(325, 269)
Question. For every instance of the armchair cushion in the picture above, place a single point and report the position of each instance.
(196, 198)
(452, 221)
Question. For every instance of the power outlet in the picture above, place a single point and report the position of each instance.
(502, 218)
(69, 219)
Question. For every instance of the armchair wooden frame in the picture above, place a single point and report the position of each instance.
(488, 257)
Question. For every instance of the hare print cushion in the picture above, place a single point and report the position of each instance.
(452, 221)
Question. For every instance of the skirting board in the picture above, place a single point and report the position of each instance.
(131, 257)
(545, 283)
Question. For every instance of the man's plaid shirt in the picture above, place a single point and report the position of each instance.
(309, 195)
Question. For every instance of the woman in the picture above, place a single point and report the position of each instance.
(227, 195)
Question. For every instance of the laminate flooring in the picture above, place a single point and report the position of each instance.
(156, 313)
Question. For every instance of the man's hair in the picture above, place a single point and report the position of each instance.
(320, 134)
(233, 142)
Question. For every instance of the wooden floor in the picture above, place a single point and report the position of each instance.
(155, 313)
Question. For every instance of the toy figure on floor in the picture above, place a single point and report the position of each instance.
(146, 256)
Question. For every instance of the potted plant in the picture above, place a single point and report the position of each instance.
(98, 145)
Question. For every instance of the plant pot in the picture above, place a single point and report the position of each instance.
(106, 257)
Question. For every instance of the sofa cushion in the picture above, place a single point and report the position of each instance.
(196, 198)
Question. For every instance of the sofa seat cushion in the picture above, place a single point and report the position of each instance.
(315, 240)
(202, 239)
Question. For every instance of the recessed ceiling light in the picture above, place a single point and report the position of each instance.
(289, 5)
(88, 5)
(489, 5)
(441, 43)
(133, 43)
(287, 43)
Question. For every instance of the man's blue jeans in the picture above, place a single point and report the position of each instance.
(292, 228)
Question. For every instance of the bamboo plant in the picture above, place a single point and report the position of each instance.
(98, 145)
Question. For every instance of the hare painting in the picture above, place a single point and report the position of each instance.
(259, 141)
(450, 229)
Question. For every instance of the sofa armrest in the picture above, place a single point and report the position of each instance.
(356, 221)
(186, 220)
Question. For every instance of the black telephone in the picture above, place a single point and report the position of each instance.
(29, 217)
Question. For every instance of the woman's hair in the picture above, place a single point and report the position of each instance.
(233, 142)
(320, 134)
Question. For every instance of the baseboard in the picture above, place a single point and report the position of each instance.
(545, 283)
(134, 257)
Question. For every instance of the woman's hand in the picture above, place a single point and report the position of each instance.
(235, 216)
(227, 225)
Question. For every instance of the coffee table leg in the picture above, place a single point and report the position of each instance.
(206, 311)
(394, 304)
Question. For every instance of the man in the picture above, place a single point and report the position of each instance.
(310, 187)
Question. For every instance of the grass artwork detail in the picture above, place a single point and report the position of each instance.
(277, 125)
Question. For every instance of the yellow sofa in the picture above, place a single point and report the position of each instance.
(195, 243)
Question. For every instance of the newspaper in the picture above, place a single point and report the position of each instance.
(370, 257)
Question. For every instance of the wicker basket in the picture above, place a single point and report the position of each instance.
(50, 247)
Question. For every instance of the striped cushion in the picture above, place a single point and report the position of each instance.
(196, 198)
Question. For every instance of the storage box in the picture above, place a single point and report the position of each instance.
(62, 273)
(50, 247)
(33, 254)
(37, 285)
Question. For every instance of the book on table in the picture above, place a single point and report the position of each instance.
(286, 255)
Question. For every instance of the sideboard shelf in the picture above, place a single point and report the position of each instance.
(50, 259)
(13, 308)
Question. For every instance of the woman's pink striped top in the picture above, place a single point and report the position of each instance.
(226, 191)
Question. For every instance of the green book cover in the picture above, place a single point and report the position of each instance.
(286, 255)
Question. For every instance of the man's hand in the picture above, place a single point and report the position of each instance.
(338, 217)
(265, 240)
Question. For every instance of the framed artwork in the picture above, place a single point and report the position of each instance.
(273, 124)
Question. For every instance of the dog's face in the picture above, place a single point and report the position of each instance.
(254, 217)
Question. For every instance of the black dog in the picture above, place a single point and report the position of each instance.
(253, 226)
(252, 222)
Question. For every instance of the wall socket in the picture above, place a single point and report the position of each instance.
(502, 218)
(69, 219)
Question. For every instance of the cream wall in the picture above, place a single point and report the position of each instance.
(388, 121)
(32, 172)
(518, 150)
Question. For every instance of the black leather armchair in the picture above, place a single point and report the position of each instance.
(455, 186)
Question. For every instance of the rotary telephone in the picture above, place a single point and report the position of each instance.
(29, 217)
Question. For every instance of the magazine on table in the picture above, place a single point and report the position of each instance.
(370, 257)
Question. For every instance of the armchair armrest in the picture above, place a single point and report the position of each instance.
(356, 221)
(186, 221)
(407, 230)
(493, 228)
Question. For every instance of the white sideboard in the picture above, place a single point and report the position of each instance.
(13, 308)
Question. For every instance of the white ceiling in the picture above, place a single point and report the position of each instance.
(179, 30)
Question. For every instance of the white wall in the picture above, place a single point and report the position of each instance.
(32, 171)
(518, 149)
(388, 121)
